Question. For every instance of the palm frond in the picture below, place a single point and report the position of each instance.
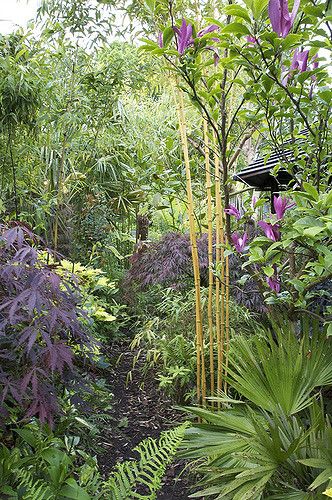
(279, 373)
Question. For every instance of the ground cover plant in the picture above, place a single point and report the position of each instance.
(165, 240)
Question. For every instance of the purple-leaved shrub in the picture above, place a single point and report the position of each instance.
(41, 328)
(168, 262)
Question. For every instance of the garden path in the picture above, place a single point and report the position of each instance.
(139, 410)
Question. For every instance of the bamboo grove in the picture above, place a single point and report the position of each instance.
(217, 335)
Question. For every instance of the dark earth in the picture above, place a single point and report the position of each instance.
(139, 410)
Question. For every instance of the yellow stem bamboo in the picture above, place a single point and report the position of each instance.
(227, 326)
(201, 375)
(223, 287)
(210, 252)
(219, 264)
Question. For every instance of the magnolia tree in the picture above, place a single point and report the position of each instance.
(259, 69)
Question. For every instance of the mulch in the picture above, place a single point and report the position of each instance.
(139, 410)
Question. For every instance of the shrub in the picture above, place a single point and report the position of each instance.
(41, 327)
(168, 262)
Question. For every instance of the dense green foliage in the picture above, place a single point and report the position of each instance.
(95, 247)
(275, 439)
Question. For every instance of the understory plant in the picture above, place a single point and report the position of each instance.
(272, 438)
(167, 262)
(142, 478)
(98, 298)
(291, 258)
(41, 466)
(164, 341)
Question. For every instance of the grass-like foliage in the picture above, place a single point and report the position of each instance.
(41, 328)
(142, 478)
(275, 441)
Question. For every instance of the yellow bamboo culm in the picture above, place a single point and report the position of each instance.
(210, 251)
(201, 374)
(223, 272)
(227, 327)
(219, 241)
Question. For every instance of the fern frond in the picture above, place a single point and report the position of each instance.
(33, 489)
(146, 473)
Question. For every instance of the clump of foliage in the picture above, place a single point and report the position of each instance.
(291, 259)
(41, 327)
(98, 298)
(273, 439)
(165, 341)
(168, 262)
(41, 466)
(130, 478)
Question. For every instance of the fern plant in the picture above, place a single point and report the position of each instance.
(31, 489)
(142, 478)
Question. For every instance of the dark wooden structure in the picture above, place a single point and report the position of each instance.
(259, 174)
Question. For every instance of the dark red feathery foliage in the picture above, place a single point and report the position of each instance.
(168, 262)
(40, 323)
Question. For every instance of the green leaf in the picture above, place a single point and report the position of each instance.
(236, 28)
(329, 330)
(269, 271)
(150, 4)
(27, 436)
(328, 492)
(258, 6)
(168, 34)
(311, 190)
(290, 40)
(238, 11)
(74, 491)
(313, 231)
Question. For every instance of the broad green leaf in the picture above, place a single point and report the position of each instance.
(236, 28)
(311, 190)
(150, 5)
(74, 491)
(238, 11)
(329, 330)
(313, 231)
(328, 492)
(168, 34)
(269, 271)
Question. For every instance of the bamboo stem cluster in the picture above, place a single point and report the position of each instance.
(218, 290)
(201, 374)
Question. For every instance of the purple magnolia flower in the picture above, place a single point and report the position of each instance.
(272, 231)
(160, 40)
(216, 55)
(315, 62)
(251, 40)
(315, 65)
(281, 205)
(300, 60)
(281, 19)
(274, 281)
(253, 202)
(232, 210)
(184, 34)
(239, 242)
(299, 63)
(208, 29)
